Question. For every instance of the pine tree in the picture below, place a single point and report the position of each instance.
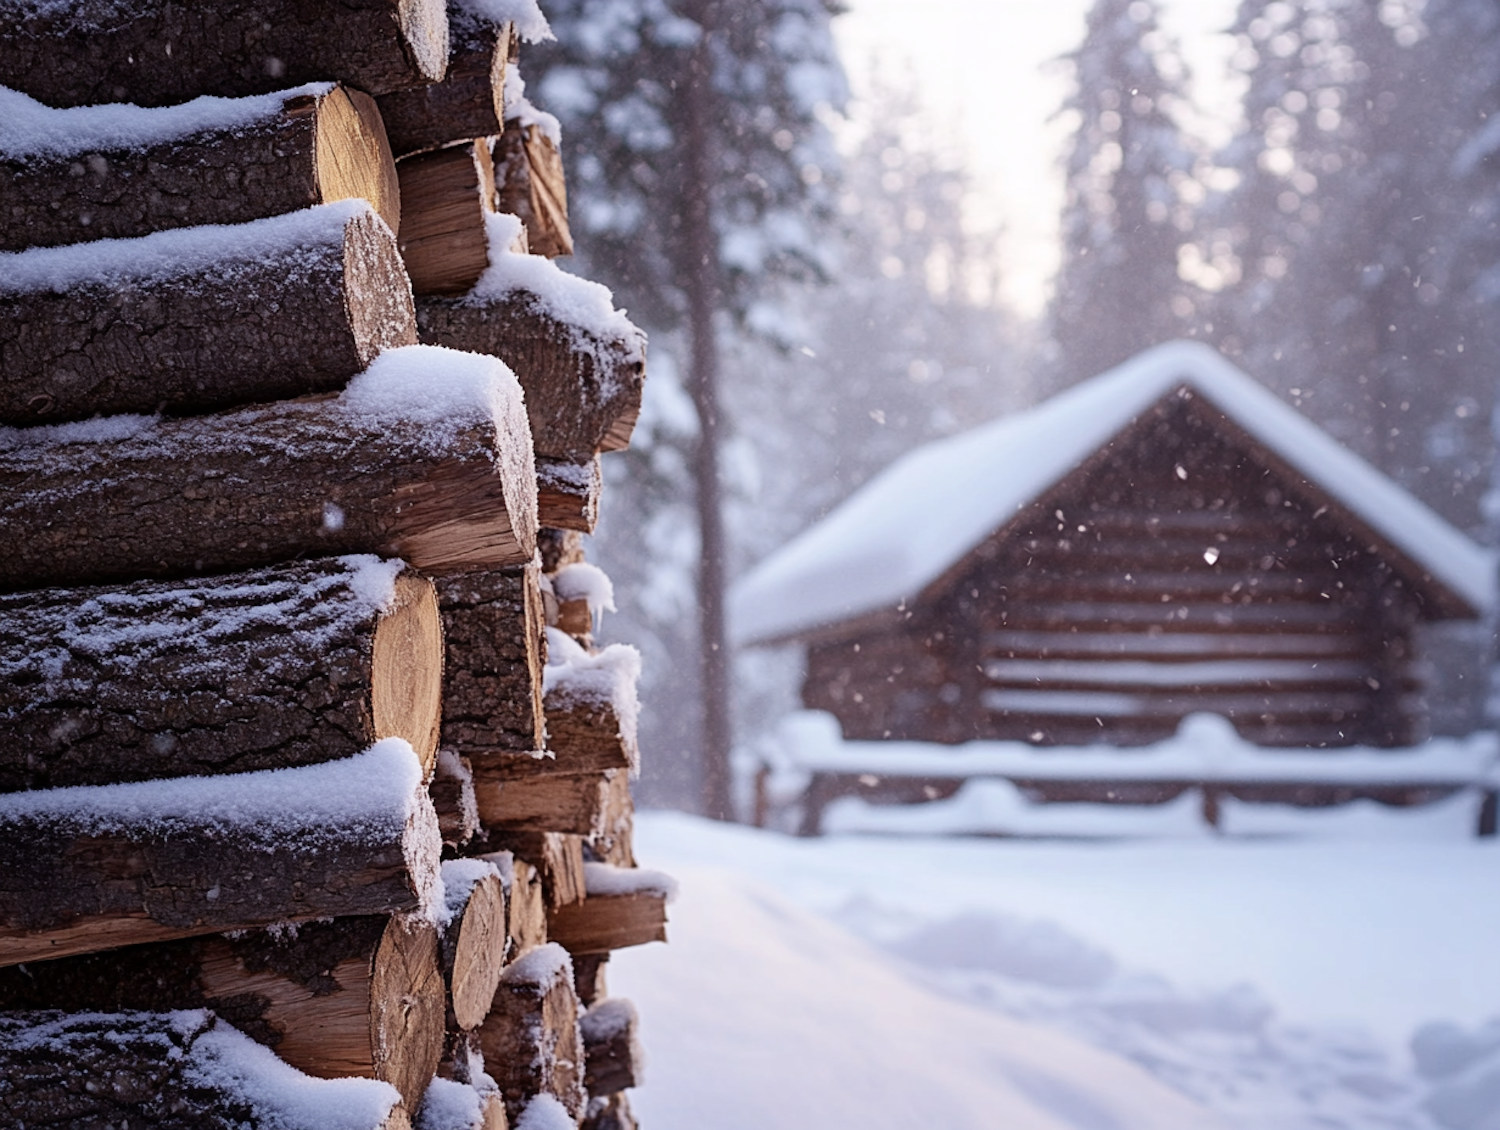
(1127, 211)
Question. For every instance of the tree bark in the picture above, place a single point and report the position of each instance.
(301, 150)
(567, 494)
(79, 340)
(530, 1038)
(178, 1071)
(289, 666)
(452, 792)
(612, 1047)
(468, 103)
(155, 53)
(256, 486)
(355, 996)
(601, 923)
(572, 803)
(89, 869)
(583, 390)
(473, 951)
(530, 184)
(445, 196)
(496, 648)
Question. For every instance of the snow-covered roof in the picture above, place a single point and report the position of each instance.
(903, 529)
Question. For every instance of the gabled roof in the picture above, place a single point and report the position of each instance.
(908, 525)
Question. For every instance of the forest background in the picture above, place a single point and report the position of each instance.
(831, 279)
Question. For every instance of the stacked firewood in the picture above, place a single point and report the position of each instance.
(314, 788)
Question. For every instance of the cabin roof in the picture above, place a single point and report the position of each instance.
(908, 525)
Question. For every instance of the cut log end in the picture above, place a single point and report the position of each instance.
(354, 160)
(407, 1007)
(568, 494)
(478, 953)
(445, 196)
(406, 690)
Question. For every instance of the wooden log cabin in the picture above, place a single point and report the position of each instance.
(1165, 539)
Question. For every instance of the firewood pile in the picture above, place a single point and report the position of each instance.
(314, 787)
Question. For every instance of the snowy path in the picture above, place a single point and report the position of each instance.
(973, 1005)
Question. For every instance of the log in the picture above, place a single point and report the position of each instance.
(468, 103)
(530, 185)
(155, 53)
(452, 792)
(592, 709)
(589, 977)
(356, 996)
(525, 903)
(583, 377)
(558, 857)
(613, 842)
(496, 650)
(175, 1071)
(446, 196)
(426, 456)
(611, 1047)
(558, 802)
(90, 868)
(294, 665)
(559, 548)
(121, 171)
(567, 494)
(530, 1038)
(190, 320)
(474, 938)
(609, 1112)
(624, 907)
(451, 1105)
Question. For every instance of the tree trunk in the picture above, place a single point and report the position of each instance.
(277, 154)
(530, 185)
(611, 1046)
(155, 53)
(567, 494)
(473, 943)
(178, 1071)
(530, 1038)
(192, 320)
(702, 275)
(492, 686)
(452, 792)
(86, 869)
(468, 103)
(445, 197)
(572, 803)
(289, 666)
(583, 389)
(255, 486)
(355, 996)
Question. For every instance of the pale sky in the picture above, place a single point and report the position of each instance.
(981, 65)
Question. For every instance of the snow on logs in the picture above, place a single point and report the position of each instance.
(157, 53)
(292, 665)
(625, 906)
(92, 867)
(359, 996)
(580, 360)
(118, 171)
(200, 318)
(188, 1070)
(474, 944)
(530, 1038)
(451, 1105)
(612, 1049)
(530, 184)
(425, 456)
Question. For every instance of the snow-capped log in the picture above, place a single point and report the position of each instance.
(530, 184)
(158, 53)
(560, 802)
(525, 903)
(492, 680)
(591, 705)
(469, 102)
(473, 945)
(425, 456)
(356, 996)
(609, 1112)
(530, 1039)
(445, 197)
(94, 867)
(452, 792)
(451, 1105)
(567, 494)
(580, 360)
(625, 906)
(200, 318)
(293, 665)
(557, 856)
(611, 1047)
(113, 172)
(186, 1070)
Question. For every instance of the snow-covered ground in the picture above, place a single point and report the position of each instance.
(881, 982)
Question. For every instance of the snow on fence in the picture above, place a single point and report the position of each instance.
(806, 775)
